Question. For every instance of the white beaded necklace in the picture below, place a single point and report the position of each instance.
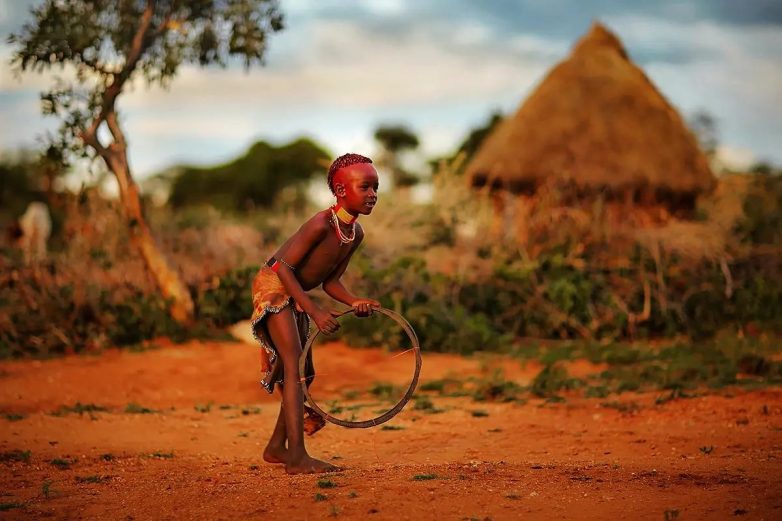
(344, 239)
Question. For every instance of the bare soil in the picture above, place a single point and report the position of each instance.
(718, 456)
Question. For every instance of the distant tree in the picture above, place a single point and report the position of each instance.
(469, 146)
(19, 183)
(111, 43)
(27, 176)
(476, 135)
(706, 129)
(394, 139)
(254, 179)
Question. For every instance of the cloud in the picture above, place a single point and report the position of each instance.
(340, 68)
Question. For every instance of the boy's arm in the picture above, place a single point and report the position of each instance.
(333, 285)
(310, 234)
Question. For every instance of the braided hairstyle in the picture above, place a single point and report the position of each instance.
(341, 162)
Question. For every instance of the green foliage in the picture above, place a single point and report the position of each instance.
(112, 42)
(79, 408)
(162, 455)
(395, 138)
(552, 379)
(477, 135)
(496, 388)
(92, 479)
(134, 408)
(16, 455)
(255, 179)
(62, 464)
(762, 222)
(18, 184)
(229, 299)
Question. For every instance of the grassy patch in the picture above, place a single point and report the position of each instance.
(552, 379)
(496, 388)
(60, 463)
(16, 455)
(246, 411)
(424, 403)
(203, 407)
(46, 488)
(670, 515)
(479, 413)
(4, 507)
(162, 455)
(79, 408)
(13, 417)
(623, 407)
(326, 483)
(386, 391)
(424, 477)
(92, 479)
(392, 428)
(320, 497)
(134, 408)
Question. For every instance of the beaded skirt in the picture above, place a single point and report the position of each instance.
(270, 296)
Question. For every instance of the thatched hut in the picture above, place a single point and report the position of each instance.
(595, 124)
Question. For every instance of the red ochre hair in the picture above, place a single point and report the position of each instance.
(343, 161)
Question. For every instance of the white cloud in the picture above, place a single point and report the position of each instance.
(335, 80)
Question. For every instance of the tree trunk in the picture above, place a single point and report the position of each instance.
(167, 279)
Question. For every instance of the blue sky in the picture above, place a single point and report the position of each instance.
(342, 67)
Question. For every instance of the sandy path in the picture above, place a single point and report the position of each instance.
(575, 460)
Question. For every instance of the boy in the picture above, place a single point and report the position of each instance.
(317, 254)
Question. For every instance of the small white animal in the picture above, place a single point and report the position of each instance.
(36, 226)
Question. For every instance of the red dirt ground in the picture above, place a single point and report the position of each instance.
(573, 460)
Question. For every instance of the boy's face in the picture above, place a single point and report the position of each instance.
(356, 188)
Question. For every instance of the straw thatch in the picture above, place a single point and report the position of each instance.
(595, 123)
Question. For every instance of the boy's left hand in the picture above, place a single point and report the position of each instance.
(363, 307)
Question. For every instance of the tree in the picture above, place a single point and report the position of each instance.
(254, 179)
(395, 139)
(477, 135)
(705, 127)
(109, 44)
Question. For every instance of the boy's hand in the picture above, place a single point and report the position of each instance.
(325, 321)
(363, 307)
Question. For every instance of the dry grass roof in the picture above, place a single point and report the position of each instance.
(596, 122)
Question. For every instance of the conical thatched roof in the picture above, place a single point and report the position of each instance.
(595, 122)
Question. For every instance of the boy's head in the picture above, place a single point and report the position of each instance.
(354, 181)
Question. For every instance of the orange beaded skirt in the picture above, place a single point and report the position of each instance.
(270, 296)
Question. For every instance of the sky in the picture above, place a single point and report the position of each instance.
(340, 68)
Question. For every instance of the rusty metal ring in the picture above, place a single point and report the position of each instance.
(396, 408)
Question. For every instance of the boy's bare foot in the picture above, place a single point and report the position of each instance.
(309, 465)
(275, 454)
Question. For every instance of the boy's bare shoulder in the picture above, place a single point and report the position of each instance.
(318, 223)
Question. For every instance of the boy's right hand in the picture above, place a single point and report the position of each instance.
(326, 321)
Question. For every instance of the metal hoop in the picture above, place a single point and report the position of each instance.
(394, 410)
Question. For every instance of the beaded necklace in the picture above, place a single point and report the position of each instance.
(340, 214)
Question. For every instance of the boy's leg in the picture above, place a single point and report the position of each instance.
(285, 335)
(275, 451)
